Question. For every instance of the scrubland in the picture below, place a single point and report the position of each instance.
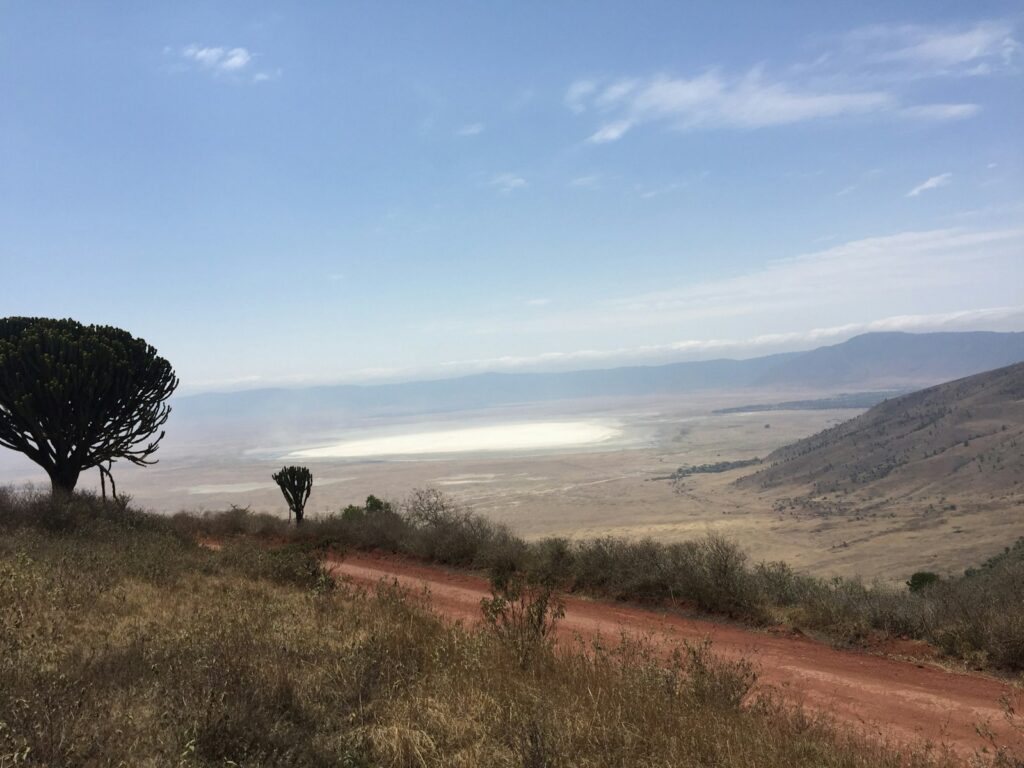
(976, 617)
(124, 642)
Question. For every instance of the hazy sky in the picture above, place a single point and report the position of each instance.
(303, 192)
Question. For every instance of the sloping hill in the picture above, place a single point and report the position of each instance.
(960, 436)
(898, 360)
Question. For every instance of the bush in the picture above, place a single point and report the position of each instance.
(522, 614)
(710, 573)
(921, 579)
(295, 564)
(443, 531)
(714, 682)
(377, 525)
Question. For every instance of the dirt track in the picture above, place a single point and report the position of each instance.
(891, 699)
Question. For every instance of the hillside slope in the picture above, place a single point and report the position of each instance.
(898, 360)
(964, 435)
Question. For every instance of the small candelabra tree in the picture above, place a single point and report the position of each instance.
(296, 484)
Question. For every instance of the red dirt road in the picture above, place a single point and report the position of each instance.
(883, 697)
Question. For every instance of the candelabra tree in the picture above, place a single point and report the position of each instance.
(76, 396)
(295, 483)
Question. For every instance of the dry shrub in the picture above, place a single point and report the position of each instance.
(522, 614)
(444, 531)
(977, 617)
(126, 644)
(294, 564)
(714, 682)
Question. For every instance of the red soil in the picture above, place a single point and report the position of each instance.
(883, 697)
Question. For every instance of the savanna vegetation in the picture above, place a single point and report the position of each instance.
(124, 642)
(976, 616)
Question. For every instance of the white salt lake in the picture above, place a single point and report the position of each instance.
(518, 436)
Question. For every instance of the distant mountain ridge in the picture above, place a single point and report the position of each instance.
(899, 359)
(873, 360)
(961, 435)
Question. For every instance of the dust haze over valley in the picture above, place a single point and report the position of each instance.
(594, 453)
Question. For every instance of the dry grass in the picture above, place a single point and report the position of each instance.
(124, 643)
(976, 617)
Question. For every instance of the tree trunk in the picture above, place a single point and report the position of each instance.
(63, 480)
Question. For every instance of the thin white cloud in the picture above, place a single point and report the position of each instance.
(863, 76)
(508, 182)
(537, 302)
(217, 58)
(976, 49)
(590, 181)
(611, 132)
(263, 77)
(665, 189)
(235, 59)
(908, 261)
(942, 180)
(863, 179)
(891, 274)
(940, 112)
(234, 63)
(716, 100)
(577, 94)
(472, 129)
(616, 92)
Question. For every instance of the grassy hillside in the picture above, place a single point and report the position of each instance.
(960, 436)
(122, 642)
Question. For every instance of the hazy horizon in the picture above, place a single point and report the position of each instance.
(597, 360)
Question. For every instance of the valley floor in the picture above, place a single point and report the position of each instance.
(620, 488)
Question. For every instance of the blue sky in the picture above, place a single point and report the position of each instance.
(311, 192)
